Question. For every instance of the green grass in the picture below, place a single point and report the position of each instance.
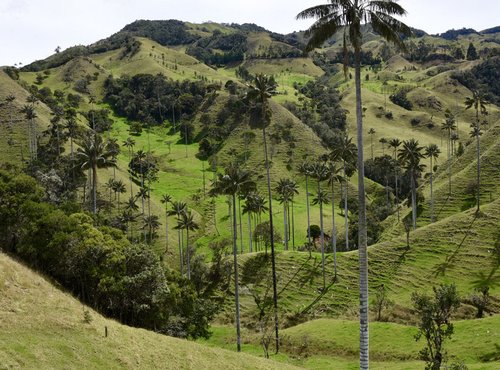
(329, 343)
(44, 328)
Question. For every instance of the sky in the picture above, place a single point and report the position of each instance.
(32, 29)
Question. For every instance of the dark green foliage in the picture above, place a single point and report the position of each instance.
(314, 231)
(99, 120)
(152, 99)
(400, 98)
(99, 265)
(454, 34)
(484, 77)
(435, 325)
(472, 52)
(169, 32)
(12, 72)
(233, 48)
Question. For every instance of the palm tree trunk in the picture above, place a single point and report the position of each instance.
(166, 232)
(432, 195)
(308, 215)
(249, 233)
(94, 188)
(293, 228)
(236, 288)
(346, 212)
(241, 225)
(181, 259)
(362, 234)
(188, 254)
(285, 224)
(334, 236)
(271, 238)
(449, 162)
(478, 170)
(322, 235)
(413, 201)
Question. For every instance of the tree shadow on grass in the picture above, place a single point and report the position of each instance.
(441, 268)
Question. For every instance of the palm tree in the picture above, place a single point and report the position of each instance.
(166, 199)
(371, 132)
(129, 143)
(259, 94)
(178, 209)
(320, 173)
(29, 113)
(383, 141)
(449, 125)
(395, 144)
(286, 188)
(186, 222)
(234, 182)
(345, 151)
(347, 16)
(305, 169)
(432, 152)
(333, 177)
(410, 155)
(479, 102)
(92, 155)
(151, 224)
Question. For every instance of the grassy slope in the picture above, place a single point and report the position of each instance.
(42, 327)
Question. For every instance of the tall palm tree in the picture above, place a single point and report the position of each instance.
(345, 151)
(333, 177)
(166, 199)
(410, 155)
(92, 155)
(286, 188)
(320, 173)
(186, 222)
(432, 152)
(478, 102)
(129, 144)
(233, 182)
(449, 125)
(305, 169)
(395, 144)
(118, 188)
(371, 132)
(29, 113)
(259, 94)
(151, 224)
(178, 209)
(347, 16)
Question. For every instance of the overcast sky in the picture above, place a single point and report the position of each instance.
(32, 29)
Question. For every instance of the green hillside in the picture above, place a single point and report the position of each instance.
(183, 86)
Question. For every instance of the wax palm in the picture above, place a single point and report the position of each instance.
(92, 155)
(432, 152)
(259, 94)
(233, 182)
(345, 151)
(286, 189)
(395, 144)
(178, 209)
(320, 172)
(371, 132)
(151, 224)
(449, 125)
(305, 169)
(166, 199)
(478, 102)
(334, 177)
(129, 144)
(347, 15)
(186, 222)
(410, 155)
(29, 113)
